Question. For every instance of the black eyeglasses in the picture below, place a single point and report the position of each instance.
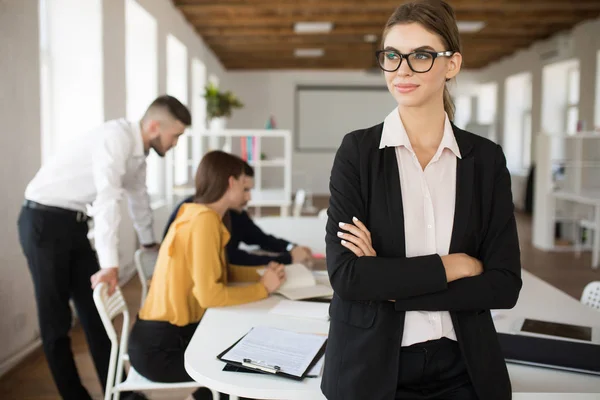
(418, 61)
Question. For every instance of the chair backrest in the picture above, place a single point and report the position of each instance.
(299, 200)
(591, 295)
(145, 261)
(323, 213)
(110, 307)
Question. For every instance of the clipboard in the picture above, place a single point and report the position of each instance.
(259, 367)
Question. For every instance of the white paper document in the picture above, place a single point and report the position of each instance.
(302, 309)
(301, 284)
(284, 351)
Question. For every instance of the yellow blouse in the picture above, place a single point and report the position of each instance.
(191, 275)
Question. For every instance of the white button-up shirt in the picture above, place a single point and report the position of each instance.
(428, 199)
(95, 168)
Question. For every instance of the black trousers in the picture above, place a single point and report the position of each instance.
(433, 370)
(61, 261)
(156, 350)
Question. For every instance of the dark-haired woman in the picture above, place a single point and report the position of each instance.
(421, 237)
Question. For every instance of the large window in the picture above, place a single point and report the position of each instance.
(462, 116)
(71, 63)
(487, 100)
(142, 82)
(517, 122)
(177, 86)
(560, 99)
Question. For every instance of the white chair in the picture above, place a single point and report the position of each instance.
(109, 307)
(299, 200)
(145, 260)
(323, 214)
(591, 295)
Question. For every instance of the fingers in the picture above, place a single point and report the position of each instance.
(281, 274)
(353, 248)
(358, 242)
(353, 230)
(361, 226)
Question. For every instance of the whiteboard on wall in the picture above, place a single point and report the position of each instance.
(324, 114)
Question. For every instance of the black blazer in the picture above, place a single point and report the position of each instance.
(366, 329)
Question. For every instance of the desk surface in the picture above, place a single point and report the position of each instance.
(220, 327)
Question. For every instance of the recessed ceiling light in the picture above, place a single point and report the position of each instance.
(370, 38)
(313, 27)
(309, 52)
(470, 26)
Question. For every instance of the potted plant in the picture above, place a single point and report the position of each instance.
(219, 106)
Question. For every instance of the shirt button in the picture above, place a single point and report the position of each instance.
(429, 226)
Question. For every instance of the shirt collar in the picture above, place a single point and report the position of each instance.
(138, 141)
(394, 135)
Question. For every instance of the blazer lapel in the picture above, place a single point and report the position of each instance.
(393, 191)
(464, 190)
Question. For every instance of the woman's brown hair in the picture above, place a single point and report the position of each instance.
(212, 176)
(437, 17)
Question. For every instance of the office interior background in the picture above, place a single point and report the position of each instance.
(530, 82)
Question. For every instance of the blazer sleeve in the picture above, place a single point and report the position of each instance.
(499, 285)
(369, 278)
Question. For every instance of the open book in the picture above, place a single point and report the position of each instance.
(301, 284)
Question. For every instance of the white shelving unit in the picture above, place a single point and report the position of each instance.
(261, 197)
(574, 199)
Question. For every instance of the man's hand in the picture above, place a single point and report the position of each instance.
(301, 254)
(110, 276)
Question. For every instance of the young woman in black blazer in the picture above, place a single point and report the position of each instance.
(407, 323)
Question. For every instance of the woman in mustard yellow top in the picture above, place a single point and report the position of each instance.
(192, 273)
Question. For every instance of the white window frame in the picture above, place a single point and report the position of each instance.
(572, 105)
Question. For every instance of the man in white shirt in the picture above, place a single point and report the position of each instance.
(95, 169)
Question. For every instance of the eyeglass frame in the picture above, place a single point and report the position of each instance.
(434, 54)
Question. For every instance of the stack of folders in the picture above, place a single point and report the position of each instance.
(278, 352)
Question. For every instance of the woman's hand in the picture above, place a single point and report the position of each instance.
(460, 265)
(273, 277)
(357, 238)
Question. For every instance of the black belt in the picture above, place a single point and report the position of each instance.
(78, 215)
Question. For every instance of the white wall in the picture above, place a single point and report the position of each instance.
(266, 93)
(21, 157)
(21, 139)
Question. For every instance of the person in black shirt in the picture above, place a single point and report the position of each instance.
(243, 229)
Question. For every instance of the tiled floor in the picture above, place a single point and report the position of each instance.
(31, 379)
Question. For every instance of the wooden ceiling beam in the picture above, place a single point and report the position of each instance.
(378, 20)
(322, 40)
(241, 7)
(504, 31)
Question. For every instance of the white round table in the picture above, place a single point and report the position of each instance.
(221, 327)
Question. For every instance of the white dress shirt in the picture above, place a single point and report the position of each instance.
(428, 199)
(95, 168)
